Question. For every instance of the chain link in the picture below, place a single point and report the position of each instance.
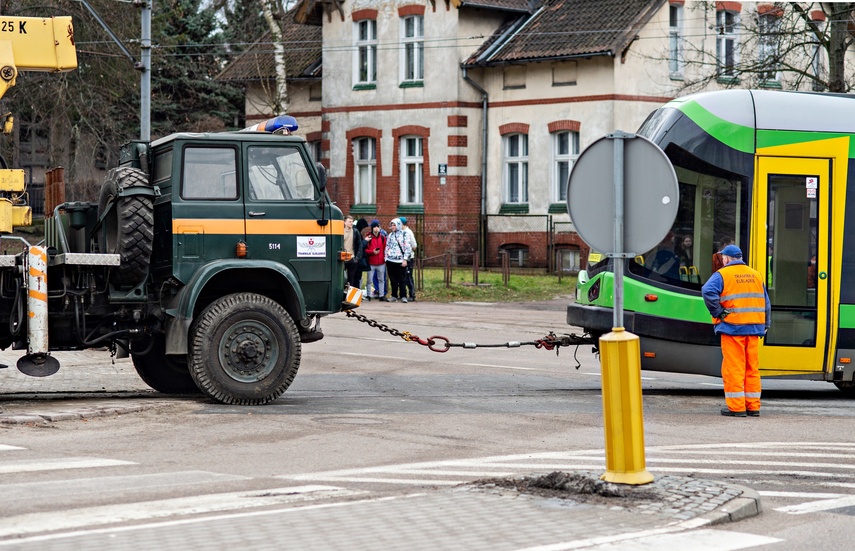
(442, 344)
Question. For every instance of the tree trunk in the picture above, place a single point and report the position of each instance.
(839, 17)
(280, 94)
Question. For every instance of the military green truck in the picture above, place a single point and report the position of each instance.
(209, 259)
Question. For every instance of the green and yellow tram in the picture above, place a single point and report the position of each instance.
(770, 172)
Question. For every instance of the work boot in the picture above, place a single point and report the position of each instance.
(753, 413)
(729, 413)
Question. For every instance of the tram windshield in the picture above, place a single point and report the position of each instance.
(713, 211)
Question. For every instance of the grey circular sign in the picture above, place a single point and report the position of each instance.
(651, 195)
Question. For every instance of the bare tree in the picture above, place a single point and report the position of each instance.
(796, 45)
(274, 14)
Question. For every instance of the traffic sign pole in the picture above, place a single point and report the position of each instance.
(642, 172)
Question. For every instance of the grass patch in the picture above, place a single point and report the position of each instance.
(521, 287)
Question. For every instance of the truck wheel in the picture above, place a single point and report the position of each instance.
(128, 229)
(245, 350)
(166, 374)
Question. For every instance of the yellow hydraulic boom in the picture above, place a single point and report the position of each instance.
(28, 44)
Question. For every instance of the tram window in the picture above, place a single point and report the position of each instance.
(791, 235)
(713, 207)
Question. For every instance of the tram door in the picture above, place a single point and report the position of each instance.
(790, 248)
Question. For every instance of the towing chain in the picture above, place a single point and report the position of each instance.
(442, 344)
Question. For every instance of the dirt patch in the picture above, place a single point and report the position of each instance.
(581, 488)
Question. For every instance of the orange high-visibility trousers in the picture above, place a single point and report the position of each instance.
(740, 371)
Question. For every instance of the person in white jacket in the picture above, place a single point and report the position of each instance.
(409, 284)
(398, 252)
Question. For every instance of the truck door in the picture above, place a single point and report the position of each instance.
(792, 250)
(208, 217)
(283, 208)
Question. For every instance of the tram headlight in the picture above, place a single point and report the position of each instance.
(594, 291)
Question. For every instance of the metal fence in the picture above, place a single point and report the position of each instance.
(532, 241)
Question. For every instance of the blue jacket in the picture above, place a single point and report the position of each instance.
(711, 292)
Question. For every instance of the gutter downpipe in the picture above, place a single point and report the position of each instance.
(482, 238)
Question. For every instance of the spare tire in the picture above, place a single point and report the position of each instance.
(128, 228)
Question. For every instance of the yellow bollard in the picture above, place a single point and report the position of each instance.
(623, 418)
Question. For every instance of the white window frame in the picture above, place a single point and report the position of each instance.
(727, 38)
(515, 148)
(365, 171)
(676, 62)
(315, 151)
(365, 51)
(413, 50)
(769, 27)
(412, 170)
(563, 160)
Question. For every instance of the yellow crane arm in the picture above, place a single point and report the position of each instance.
(35, 44)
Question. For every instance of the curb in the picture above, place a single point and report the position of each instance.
(52, 416)
(747, 505)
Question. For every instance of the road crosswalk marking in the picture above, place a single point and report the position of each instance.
(34, 523)
(8, 467)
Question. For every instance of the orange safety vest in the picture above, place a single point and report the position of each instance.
(743, 295)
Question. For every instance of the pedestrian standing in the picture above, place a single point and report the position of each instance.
(375, 250)
(739, 304)
(717, 262)
(397, 252)
(363, 267)
(353, 245)
(408, 282)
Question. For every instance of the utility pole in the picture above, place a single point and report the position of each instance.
(145, 77)
(144, 66)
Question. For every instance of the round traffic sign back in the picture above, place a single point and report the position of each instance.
(651, 194)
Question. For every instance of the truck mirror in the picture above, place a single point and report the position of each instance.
(322, 176)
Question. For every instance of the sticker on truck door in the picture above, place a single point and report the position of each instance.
(314, 246)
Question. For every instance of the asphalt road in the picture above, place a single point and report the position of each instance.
(370, 412)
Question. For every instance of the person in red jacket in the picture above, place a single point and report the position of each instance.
(375, 250)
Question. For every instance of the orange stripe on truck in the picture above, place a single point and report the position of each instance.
(255, 227)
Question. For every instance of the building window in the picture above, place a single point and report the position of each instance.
(675, 41)
(517, 254)
(565, 151)
(315, 151)
(412, 169)
(365, 159)
(769, 27)
(365, 55)
(516, 168)
(727, 41)
(567, 260)
(413, 38)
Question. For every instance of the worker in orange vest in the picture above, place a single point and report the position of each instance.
(739, 304)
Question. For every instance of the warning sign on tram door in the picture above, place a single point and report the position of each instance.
(811, 182)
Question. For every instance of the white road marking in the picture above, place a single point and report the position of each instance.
(805, 495)
(33, 523)
(6, 447)
(7, 467)
(111, 484)
(377, 480)
(817, 506)
(505, 367)
(665, 538)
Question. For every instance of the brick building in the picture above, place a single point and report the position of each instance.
(466, 116)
